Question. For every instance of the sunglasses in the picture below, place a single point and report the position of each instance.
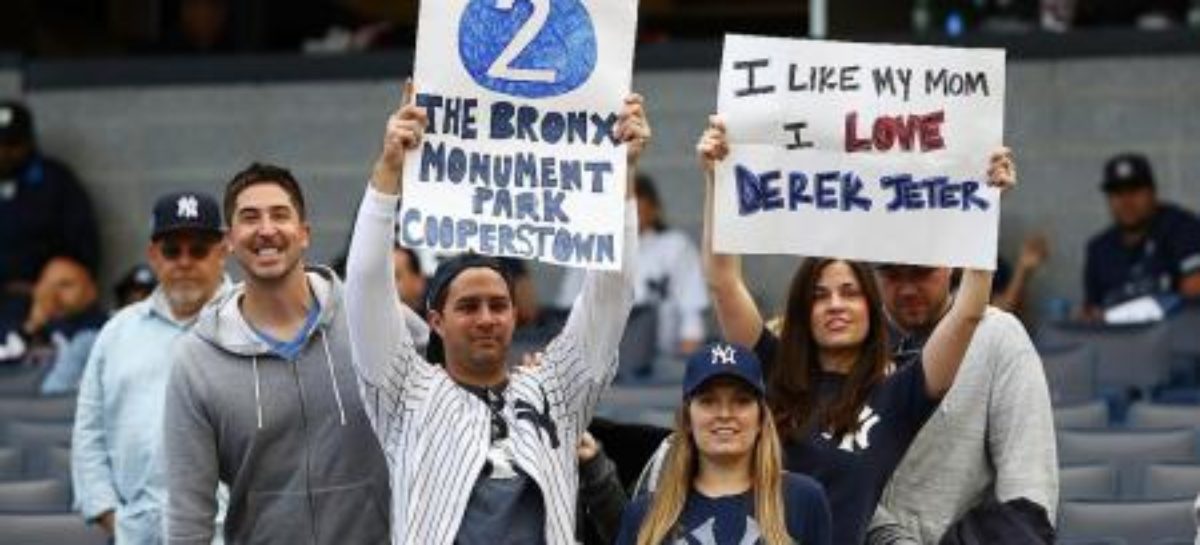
(195, 250)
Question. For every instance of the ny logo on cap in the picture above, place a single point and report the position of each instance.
(1124, 169)
(722, 355)
(187, 207)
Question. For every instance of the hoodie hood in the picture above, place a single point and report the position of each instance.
(222, 324)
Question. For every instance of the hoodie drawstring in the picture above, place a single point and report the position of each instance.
(337, 393)
(257, 393)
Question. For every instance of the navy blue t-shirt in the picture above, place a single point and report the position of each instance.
(729, 520)
(855, 469)
(1115, 273)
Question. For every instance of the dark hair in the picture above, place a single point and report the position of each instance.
(414, 262)
(644, 188)
(261, 173)
(792, 385)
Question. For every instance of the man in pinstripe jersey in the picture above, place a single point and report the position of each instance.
(478, 454)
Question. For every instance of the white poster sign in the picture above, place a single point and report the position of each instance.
(519, 157)
(859, 151)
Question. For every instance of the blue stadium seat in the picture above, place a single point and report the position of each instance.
(1127, 356)
(11, 465)
(60, 408)
(1155, 415)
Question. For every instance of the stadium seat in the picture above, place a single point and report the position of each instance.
(1171, 481)
(1128, 450)
(48, 462)
(61, 408)
(11, 466)
(1093, 414)
(1087, 482)
(20, 380)
(34, 496)
(31, 434)
(1154, 415)
(1137, 523)
(1070, 373)
(1128, 356)
(48, 529)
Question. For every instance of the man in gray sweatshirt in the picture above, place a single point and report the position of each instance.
(263, 396)
(991, 437)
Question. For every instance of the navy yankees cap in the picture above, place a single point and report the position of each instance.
(190, 210)
(719, 360)
(1127, 171)
(16, 123)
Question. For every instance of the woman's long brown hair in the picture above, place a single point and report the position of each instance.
(796, 370)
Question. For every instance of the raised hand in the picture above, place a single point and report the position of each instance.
(1002, 171)
(713, 145)
(633, 128)
(405, 128)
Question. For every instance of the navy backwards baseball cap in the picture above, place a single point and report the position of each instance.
(446, 272)
(723, 359)
(185, 210)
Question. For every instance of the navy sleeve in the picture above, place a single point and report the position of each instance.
(1091, 281)
(631, 520)
(765, 349)
(905, 396)
(1186, 246)
(808, 517)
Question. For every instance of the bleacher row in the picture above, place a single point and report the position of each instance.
(35, 460)
(1129, 472)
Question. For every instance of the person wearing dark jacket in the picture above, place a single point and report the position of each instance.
(44, 211)
(601, 496)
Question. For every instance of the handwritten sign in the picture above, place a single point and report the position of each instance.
(519, 157)
(857, 151)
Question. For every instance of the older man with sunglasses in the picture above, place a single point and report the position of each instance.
(118, 422)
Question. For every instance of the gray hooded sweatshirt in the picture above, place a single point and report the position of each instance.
(289, 438)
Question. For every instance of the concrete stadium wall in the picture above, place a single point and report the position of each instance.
(1064, 118)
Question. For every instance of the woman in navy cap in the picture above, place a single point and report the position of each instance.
(722, 481)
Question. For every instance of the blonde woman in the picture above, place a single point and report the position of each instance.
(723, 480)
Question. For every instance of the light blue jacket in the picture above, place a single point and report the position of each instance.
(118, 420)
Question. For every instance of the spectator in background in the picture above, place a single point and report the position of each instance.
(44, 213)
(202, 27)
(669, 277)
(1012, 285)
(62, 323)
(136, 285)
(119, 415)
(1152, 248)
(410, 280)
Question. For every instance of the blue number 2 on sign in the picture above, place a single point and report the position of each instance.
(528, 48)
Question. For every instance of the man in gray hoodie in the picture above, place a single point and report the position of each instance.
(263, 396)
(992, 437)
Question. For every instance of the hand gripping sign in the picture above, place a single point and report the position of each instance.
(519, 157)
(857, 151)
